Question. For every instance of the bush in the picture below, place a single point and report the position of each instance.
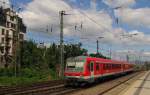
(28, 73)
(6, 72)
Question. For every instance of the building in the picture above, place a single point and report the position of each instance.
(43, 45)
(12, 30)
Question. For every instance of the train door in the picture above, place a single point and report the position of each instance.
(91, 71)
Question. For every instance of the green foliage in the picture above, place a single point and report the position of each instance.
(38, 64)
(32, 56)
(27, 76)
(52, 56)
(6, 72)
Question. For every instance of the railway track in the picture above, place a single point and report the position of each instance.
(117, 83)
(42, 90)
(58, 88)
(18, 89)
(105, 87)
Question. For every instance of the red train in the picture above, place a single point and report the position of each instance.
(83, 69)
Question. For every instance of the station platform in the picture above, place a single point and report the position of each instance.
(140, 87)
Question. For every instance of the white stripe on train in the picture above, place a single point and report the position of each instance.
(98, 76)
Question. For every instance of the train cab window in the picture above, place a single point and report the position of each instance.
(97, 66)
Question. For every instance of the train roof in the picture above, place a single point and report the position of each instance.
(102, 60)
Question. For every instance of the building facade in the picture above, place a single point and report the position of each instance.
(12, 30)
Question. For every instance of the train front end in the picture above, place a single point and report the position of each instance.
(74, 71)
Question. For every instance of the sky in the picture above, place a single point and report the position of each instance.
(124, 24)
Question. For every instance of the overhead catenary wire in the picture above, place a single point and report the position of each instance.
(91, 19)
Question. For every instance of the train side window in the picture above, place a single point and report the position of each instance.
(104, 66)
(112, 66)
(109, 66)
(97, 66)
(116, 66)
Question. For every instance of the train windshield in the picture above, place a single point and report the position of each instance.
(75, 65)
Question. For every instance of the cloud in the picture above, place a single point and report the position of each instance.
(134, 17)
(130, 38)
(133, 55)
(140, 38)
(37, 15)
(119, 3)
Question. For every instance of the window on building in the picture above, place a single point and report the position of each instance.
(2, 50)
(21, 36)
(12, 18)
(3, 31)
(8, 50)
(12, 25)
(3, 40)
(7, 32)
(8, 24)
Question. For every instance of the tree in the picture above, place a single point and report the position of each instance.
(52, 56)
(73, 50)
(47, 58)
(98, 55)
(32, 56)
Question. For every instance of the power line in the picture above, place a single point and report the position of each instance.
(91, 19)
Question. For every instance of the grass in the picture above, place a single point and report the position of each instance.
(28, 76)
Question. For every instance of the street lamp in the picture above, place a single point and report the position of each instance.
(129, 35)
